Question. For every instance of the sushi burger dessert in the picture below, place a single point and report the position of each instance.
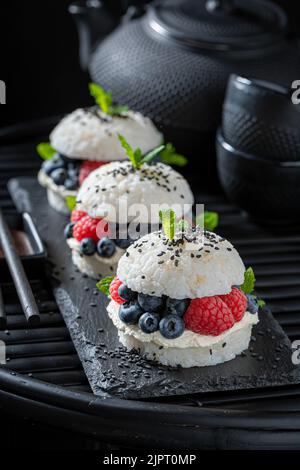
(183, 298)
(102, 211)
(87, 139)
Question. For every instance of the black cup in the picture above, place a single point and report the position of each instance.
(269, 191)
(259, 118)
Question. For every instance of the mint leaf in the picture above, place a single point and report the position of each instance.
(103, 99)
(208, 220)
(104, 284)
(249, 281)
(182, 225)
(119, 109)
(261, 303)
(45, 150)
(168, 219)
(71, 202)
(152, 154)
(211, 220)
(171, 157)
(135, 156)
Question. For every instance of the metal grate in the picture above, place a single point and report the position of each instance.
(46, 352)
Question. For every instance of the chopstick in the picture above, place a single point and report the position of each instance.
(18, 274)
(2, 311)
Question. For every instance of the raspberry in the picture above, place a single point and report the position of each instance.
(208, 316)
(77, 215)
(113, 290)
(237, 303)
(103, 229)
(86, 228)
(87, 167)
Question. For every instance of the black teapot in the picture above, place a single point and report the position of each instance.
(171, 60)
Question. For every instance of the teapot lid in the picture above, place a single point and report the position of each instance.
(224, 25)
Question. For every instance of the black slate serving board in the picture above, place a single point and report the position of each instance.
(112, 370)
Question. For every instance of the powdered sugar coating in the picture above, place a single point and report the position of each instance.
(89, 134)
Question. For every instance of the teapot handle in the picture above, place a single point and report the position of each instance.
(93, 22)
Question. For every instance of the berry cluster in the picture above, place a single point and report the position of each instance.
(93, 235)
(151, 313)
(67, 172)
(206, 315)
(216, 314)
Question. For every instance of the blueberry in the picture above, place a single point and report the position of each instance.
(252, 306)
(71, 184)
(149, 322)
(48, 167)
(88, 246)
(66, 160)
(74, 166)
(171, 326)
(123, 243)
(106, 247)
(73, 174)
(126, 293)
(150, 303)
(68, 232)
(130, 313)
(177, 307)
(59, 176)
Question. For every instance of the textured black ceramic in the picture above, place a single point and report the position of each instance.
(108, 366)
(259, 118)
(174, 62)
(268, 191)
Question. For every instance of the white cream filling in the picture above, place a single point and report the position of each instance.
(188, 339)
(75, 245)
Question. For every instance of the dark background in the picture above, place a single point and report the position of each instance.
(39, 57)
(39, 63)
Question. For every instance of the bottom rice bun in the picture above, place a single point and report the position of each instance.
(177, 301)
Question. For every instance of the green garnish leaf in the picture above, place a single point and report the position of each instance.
(261, 303)
(105, 100)
(104, 284)
(152, 154)
(45, 150)
(118, 109)
(249, 281)
(211, 220)
(208, 220)
(171, 157)
(128, 149)
(168, 219)
(71, 202)
(135, 156)
(182, 225)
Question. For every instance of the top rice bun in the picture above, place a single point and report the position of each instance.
(89, 134)
(201, 264)
(118, 185)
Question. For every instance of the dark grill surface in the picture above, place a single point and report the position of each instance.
(46, 351)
